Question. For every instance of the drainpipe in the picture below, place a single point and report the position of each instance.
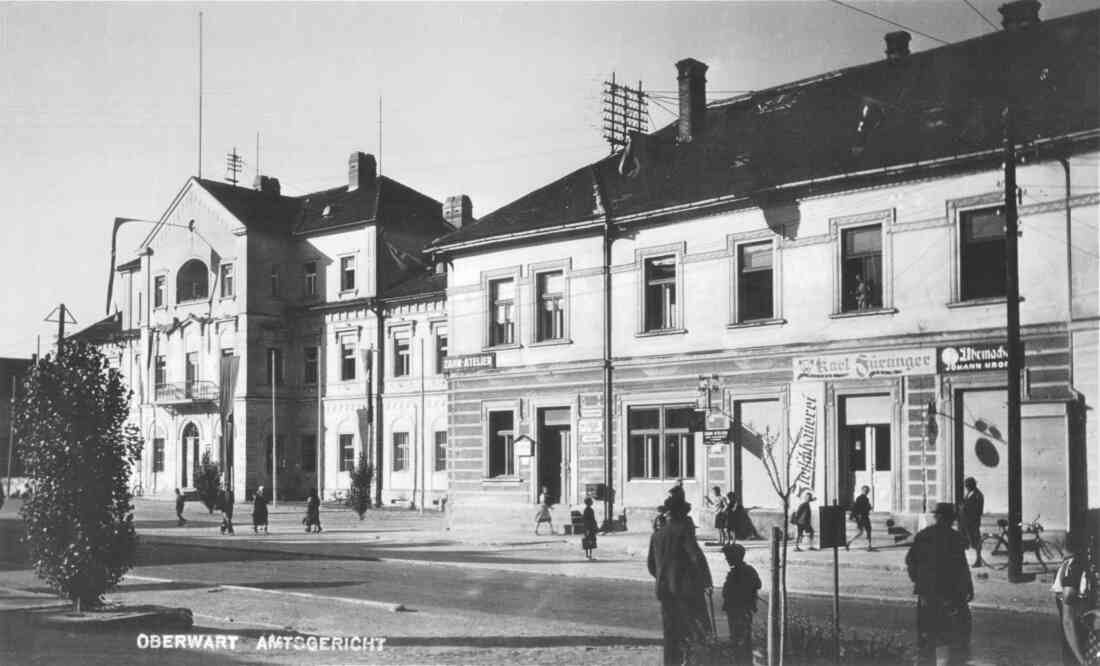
(608, 444)
(378, 373)
(1064, 161)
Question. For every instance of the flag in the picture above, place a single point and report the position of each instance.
(227, 384)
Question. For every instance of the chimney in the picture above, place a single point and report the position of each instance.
(897, 45)
(362, 170)
(1019, 15)
(692, 83)
(458, 211)
(267, 185)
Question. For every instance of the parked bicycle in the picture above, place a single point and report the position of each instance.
(138, 490)
(995, 545)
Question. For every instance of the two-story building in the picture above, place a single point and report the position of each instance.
(825, 261)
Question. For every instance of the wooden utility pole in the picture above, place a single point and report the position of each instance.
(1015, 360)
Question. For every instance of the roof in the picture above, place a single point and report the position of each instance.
(255, 209)
(933, 105)
(420, 284)
(105, 330)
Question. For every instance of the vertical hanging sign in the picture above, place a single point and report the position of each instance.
(807, 399)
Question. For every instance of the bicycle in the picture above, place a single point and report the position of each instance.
(138, 490)
(995, 545)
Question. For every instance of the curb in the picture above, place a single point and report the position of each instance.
(139, 617)
(383, 605)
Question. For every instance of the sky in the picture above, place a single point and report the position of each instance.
(99, 103)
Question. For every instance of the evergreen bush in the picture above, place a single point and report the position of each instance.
(359, 492)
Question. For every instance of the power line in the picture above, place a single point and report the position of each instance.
(886, 20)
(991, 23)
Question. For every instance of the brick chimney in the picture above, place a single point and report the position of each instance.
(267, 185)
(692, 83)
(362, 170)
(458, 211)
(1019, 15)
(897, 45)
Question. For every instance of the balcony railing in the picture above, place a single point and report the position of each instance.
(194, 391)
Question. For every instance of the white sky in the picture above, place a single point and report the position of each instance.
(98, 103)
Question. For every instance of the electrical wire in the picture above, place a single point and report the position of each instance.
(886, 20)
(991, 24)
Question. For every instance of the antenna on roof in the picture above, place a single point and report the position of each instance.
(200, 94)
(234, 164)
(624, 111)
(379, 135)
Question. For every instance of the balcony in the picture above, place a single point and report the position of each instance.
(187, 392)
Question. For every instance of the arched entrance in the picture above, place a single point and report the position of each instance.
(189, 453)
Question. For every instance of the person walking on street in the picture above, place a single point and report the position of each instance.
(543, 514)
(588, 541)
(313, 511)
(936, 563)
(861, 516)
(1077, 595)
(180, 520)
(259, 511)
(803, 520)
(682, 581)
(739, 596)
(226, 499)
(970, 517)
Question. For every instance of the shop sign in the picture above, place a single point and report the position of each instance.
(864, 365)
(470, 362)
(716, 437)
(968, 358)
(805, 427)
(522, 445)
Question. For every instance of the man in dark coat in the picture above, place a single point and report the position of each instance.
(941, 580)
(970, 517)
(682, 579)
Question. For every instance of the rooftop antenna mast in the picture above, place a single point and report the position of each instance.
(234, 164)
(625, 111)
(379, 135)
(200, 94)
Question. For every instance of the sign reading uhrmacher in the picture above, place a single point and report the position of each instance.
(470, 362)
(864, 365)
(970, 358)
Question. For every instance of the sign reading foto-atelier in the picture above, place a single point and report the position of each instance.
(469, 362)
(966, 358)
(863, 365)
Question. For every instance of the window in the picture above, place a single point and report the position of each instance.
(160, 371)
(159, 291)
(274, 280)
(982, 253)
(401, 357)
(309, 453)
(158, 454)
(754, 282)
(440, 352)
(347, 453)
(191, 281)
(311, 356)
(347, 273)
(280, 451)
(347, 361)
(551, 314)
(440, 450)
(861, 268)
(501, 435)
(400, 451)
(660, 293)
(227, 280)
(660, 445)
(310, 270)
(191, 369)
(274, 359)
(502, 301)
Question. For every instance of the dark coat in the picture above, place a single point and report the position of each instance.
(676, 561)
(803, 516)
(971, 508)
(259, 510)
(937, 565)
(861, 507)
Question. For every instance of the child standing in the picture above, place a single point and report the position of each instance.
(803, 520)
(861, 515)
(739, 601)
(588, 542)
(543, 515)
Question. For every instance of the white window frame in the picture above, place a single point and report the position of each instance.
(837, 226)
(733, 244)
(231, 292)
(641, 257)
(354, 260)
(344, 342)
(487, 408)
(340, 451)
(563, 266)
(309, 279)
(407, 452)
(163, 278)
(955, 209)
(513, 273)
(401, 335)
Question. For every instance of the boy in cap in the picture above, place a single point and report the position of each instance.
(739, 601)
(803, 520)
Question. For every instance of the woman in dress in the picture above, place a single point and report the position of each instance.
(259, 511)
(543, 514)
(588, 542)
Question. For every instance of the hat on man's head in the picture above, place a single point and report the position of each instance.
(945, 509)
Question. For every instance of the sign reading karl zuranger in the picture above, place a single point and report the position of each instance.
(964, 358)
(469, 362)
(863, 365)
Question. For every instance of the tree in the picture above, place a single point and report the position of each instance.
(79, 452)
(359, 493)
(208, 482)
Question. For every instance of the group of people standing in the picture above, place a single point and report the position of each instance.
(226, 502)
(731, 519)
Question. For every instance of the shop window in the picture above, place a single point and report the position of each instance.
(400, 451)
(660, 443)
(501, 436)
(347, 453)
(982, 253)
(861, 268)
(311, 357)
(502, 301)
(660, 294)
(755, 283)
(440, 450)
(192, 281)
(401, 357)
(309, 453)
(347, 361)
(550, 288)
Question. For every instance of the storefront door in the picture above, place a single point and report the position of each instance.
(553, 452)
(865, 452)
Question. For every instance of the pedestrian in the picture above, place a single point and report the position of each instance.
(803, 520)
(259, 511)
(543, 514)
(738, 524)
(739, 596)
(861, 516)
(588, 542)
(313, 511)
(682, 581)
(970, 517)
(1077, 595)
(180, 520)
(941, 580)
(716, 502)
(661, 519)
(226, 499)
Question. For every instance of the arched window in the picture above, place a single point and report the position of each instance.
(192, 281)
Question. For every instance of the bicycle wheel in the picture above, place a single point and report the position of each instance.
(994, 551)
(1048, 552)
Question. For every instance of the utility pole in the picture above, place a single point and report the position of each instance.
(1012, 289)
(11, 434)
(63, 315)
(274, 439)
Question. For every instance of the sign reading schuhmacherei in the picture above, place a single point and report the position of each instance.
(470, 362)
(967, 358)
(864, 365)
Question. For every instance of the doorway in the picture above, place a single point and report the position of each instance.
(553, 452)
(865, 450)
(189, 445)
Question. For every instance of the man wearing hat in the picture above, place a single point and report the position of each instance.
(941, 580)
